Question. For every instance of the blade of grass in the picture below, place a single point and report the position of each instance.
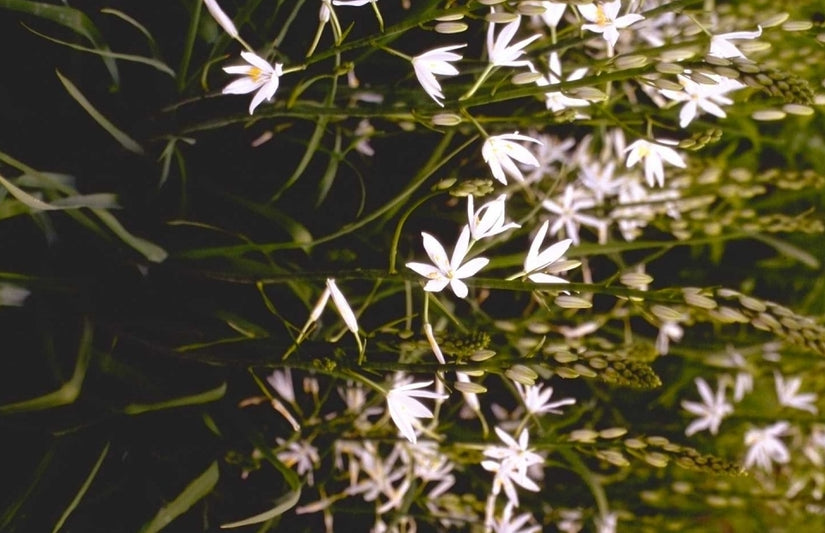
(211, 395)
(150, 250)
(153, 46)
(83, 488)
(70, 390)
(154, 63)
(195, 491)
(69, 17)
(284, 503)
(125, 141)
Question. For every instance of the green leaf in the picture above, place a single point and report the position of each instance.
(285, 503)
(83, 488)
(125, 141)
(150, 250)
(26, 198)
(195, 399)
(195, 491)
(155, 63)
(789, 250)
(69, 17)
(70, 390)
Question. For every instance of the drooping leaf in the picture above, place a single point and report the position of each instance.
(194, 492)
(210, 395)
(121, 137)
(285, 503)
(69, 17)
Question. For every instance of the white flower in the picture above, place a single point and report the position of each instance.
(257, 76)
(787, 394)
(537, 401)
(499, 50)
(488, 220)
(557, 100)
(443, 272)
(568, 215)
(668, 331)
(765, 446)
(405, 410)
(720, 45)
(536, 261)
(354, 3)
(703, 97)
(221, 18)
(711, 412)
(510, 464)
(509, 524)
(653, 154)
(500, 150)
(302, 455)
(281, 381)
(553, 12)
(603, 17)
(343, 307)
(436, 61)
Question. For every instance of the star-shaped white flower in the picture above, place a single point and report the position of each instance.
(443, 272)
(258, 75)
(537, 401)
(787, 392)
(557, 100)
(500, 150)
(602, 15)
(405, 410)
(653, 155)
(542, 261)
(711, 412)
(704, 97)
(488, 220)
(765, 448)
(499, 50)
(511, 463)
(720, 45)
(436, 61)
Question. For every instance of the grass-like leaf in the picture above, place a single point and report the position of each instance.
(125, 141)
(69, 17)
(70, 390)
(284, 503)
(155, 63)
(194, 399)
(196, 490)
(150, 250)
(83, 488)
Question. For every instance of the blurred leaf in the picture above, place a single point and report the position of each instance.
(789, 250)
(151, 251)
(153, 46)
(195, 491)
(79, 496)
(195, 399)
(69, 17)
(70, 390)
(155, 63)
(26, 198)
(125, 141)
(93, 201)
(285, 503)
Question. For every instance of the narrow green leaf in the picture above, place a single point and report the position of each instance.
(125, 141)
(69, 17)
(70, 390)
(140, 27)
(194, 399)
(285, 503)
(195, 491)
(83, 488)
(155, 63)
(26, 198)
(150, 250)
(789, 250)
(92, 201)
